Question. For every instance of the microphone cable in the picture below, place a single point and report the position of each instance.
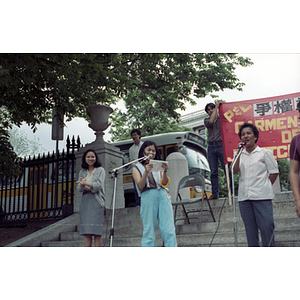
(219, 221)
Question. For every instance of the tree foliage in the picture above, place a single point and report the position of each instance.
(154, 108)
(8, 158)
(284, 174)
(142, 113)
(22, 145)
(32, 84)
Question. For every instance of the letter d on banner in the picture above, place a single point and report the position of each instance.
(57, 129)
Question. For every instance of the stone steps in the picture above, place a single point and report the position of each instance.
(193, 228)
(128, 228)
(286, 234)
(283, 238)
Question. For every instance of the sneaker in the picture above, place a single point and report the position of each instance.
(213, 197)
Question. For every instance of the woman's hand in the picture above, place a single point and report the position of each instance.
(148, 167)
(164, 174)
(240, 145)
(82, 181)
(165, 166)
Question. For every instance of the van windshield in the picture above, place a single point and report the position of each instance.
(197, 162)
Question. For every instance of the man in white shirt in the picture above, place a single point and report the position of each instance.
(134, 154)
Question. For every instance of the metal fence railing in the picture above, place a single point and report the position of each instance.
(44, 189)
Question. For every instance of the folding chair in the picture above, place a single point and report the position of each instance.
(192, 181)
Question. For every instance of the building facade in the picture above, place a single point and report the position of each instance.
(195, 121)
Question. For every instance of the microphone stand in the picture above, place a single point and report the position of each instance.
(115, 175)
(233, 196)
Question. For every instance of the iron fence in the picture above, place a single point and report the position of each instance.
(44, 189)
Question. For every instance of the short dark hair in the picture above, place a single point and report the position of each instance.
(253, 127)
(211, 105)
(146, 144)
(84, 165)
(135, 131)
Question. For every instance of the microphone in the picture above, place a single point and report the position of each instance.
(148, 157)
(242, 145)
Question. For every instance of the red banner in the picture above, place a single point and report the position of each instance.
(275, 117)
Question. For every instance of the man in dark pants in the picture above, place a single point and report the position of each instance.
(215, 146)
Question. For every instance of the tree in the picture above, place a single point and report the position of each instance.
(284, 174)
(8, 158)
(142, 113)
(32, 84)
(22, 146)
(154, 110)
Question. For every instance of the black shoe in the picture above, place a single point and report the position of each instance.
(213, 197)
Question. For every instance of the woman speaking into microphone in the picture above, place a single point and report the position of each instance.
(258, 171)
(155, 203)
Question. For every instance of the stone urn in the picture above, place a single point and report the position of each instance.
(99, 116)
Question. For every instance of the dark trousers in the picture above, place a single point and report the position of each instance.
(215, 154)
(258, 214)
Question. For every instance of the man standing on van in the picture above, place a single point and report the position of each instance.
(215, 146)
(134, 154)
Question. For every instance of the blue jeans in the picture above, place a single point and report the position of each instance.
(215, 154)
(258, 214)
(155, 205)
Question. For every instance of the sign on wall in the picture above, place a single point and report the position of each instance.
(275, 117)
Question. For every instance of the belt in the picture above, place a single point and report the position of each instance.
(85, 192)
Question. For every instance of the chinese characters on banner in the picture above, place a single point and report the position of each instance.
(275, 117)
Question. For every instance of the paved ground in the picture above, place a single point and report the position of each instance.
(11, 234)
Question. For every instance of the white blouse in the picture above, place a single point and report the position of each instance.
(255, 168)
(89, 178)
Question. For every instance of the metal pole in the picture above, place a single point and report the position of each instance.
(233, 196)
(112, 230)
(228, 184)
(115, 172)
(56, 176)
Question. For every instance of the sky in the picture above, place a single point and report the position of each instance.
(270, 75)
